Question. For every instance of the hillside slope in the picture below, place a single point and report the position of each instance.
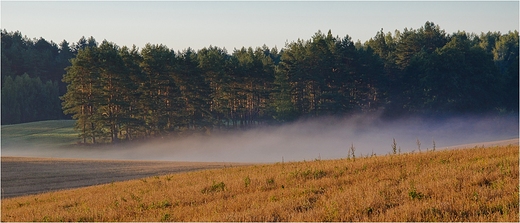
(477, 184)
(57, 133)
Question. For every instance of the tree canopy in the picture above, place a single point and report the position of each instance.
(121, 93)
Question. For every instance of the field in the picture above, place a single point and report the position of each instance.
(56, 133)
(26, 175)
(471, 184)
(23, 175)
(476, 184)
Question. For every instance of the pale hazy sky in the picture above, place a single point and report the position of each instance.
(180, 25)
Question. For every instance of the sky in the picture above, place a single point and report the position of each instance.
(233, 25)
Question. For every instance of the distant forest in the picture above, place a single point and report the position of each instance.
(125, 93)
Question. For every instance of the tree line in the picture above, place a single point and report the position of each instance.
(32, 72)
(430, 71)
(125, 93)
(26, 99)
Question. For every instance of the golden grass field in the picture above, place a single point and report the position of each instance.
(477, 184)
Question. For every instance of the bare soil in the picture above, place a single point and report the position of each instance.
(24, 175)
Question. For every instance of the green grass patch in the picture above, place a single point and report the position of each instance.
(57, 133)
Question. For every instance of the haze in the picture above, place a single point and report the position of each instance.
(320, 138)
(231, 25)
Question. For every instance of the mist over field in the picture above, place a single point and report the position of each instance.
(325, 138)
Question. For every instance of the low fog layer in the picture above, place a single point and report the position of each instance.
(325, 138)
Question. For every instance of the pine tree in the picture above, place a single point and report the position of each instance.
(214, 64)
(132, 121)
(282, 107)
(113, 80)
(83, 88)
(195, 92)
(160, 94)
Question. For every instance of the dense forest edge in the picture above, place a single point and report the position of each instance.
(125, 93)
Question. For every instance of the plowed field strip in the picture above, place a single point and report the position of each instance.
(23, 176)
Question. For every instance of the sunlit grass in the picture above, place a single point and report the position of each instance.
(479, 184)
(56, 133)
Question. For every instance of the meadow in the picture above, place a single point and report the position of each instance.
(55, 133)
(475, 184)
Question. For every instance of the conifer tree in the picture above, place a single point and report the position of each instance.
(132, 121)
(113, 81)
(160, 94)
(195, 91)
(81, 99)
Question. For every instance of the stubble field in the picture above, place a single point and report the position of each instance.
(476, 184)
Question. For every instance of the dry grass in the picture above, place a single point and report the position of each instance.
(479, 184)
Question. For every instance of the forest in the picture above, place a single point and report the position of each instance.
(125, 93)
